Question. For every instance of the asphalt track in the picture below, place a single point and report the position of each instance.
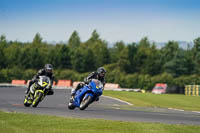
(11, 100)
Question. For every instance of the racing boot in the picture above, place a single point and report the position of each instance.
(71, 99)
(50, 92)
(97, 99)
(31, 95)
(72, 95)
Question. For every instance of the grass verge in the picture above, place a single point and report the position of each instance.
(28, 123)
(177, 101)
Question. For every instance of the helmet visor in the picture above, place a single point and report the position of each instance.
(49, 70)
(102, 74)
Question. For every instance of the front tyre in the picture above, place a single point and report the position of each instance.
(27, 101)
(37, 99)
(85, 102)
(26, 104)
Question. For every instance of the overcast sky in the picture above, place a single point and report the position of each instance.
(114, 20)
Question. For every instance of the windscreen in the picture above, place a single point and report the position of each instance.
(97, 83)
(45, 79)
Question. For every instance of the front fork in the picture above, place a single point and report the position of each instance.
(37, 91)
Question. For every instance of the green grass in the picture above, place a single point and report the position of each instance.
(177, 101)
(27, 123)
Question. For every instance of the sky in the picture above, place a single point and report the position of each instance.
(114, 20)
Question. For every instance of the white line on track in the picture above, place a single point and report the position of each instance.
(176, 109)
(196, 112)
(183, 110)
(118, 100)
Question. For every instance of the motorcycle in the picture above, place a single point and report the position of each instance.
(87, 95)
(38, 91)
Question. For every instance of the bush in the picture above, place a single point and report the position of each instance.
(65, 74)
(135, 80)
(28, 74)
(7, 75)
(131, 81)
(69, 74)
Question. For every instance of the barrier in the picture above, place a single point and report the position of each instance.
(108, 86)
(54, 83)
(64, 83)
(19, 82)
(75, 84)
(192, 90)
(111, 86)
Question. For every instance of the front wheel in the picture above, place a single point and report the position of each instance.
(37, 99)
(85, 102)
(27, 101)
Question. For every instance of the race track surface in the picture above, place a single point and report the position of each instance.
(11, 100)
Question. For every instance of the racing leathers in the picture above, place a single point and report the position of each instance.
(42, 72)
(93, 75)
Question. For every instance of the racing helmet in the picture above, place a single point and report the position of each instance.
(48, 68)
(101, 72)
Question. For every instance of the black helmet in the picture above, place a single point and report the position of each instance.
(48, 68)
(101, 72)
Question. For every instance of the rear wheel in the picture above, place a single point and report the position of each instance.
(85, 102)
(37, 99)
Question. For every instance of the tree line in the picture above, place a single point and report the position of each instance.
(133, 65)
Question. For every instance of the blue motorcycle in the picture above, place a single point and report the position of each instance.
(87, 95)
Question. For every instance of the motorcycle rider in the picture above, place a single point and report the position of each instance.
(46, 71)
(99, 74)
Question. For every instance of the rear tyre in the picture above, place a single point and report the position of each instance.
(85, 102)
(37, 99)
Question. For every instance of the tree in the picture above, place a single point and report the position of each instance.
(115, 50)
(37, 59)
(132, 50)
(196, 54)
(98, 48)
(123, 62)
(179, 65)
(146, 58)
(83, 59)
(196, 47)
(54, 55)
(12, 54)
(74, 40)
(169, 50)
(2, 39)
(2, 55)
(144, 42)
(26, 59)
(37, 40)
(95, 37)
(38, 52)
(89, 61)
(153, 63)
(65, 57)
(78, 60)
